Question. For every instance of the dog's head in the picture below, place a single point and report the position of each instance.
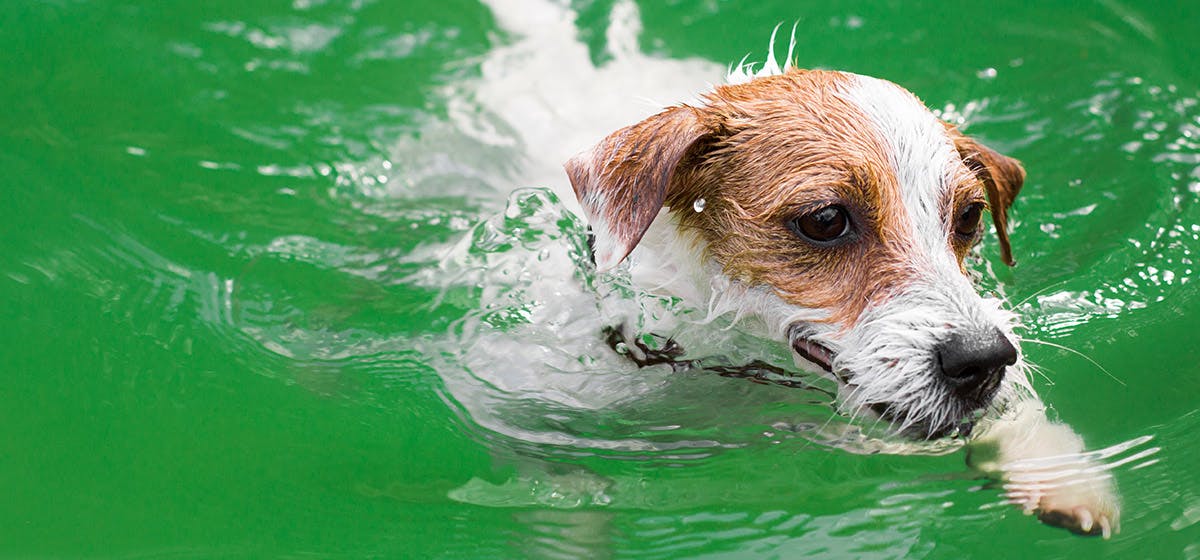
(847, 208)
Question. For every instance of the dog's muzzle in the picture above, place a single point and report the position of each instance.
(964, 369)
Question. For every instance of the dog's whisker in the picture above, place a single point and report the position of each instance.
(856, 405)
(1043, 290)
(1077, 353)
(1031, 369)
(837, 412)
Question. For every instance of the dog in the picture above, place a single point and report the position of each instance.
(841, 212)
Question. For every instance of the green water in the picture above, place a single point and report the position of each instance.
(221, 337)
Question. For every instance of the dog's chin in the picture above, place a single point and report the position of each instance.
(958, 416)
(926, 430)
(960, 411)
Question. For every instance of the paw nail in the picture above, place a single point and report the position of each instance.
(1085, 519)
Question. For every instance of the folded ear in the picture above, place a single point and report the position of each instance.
(623, 181)
(1002, 177)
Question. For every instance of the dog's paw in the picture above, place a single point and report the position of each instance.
(1085, 506)
(1045, 470)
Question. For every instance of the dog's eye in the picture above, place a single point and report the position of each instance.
(967, 222)
(822, 226)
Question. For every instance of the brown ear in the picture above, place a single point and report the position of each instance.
(622, 182)
(1002, 177)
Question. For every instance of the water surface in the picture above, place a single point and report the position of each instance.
(266, 288)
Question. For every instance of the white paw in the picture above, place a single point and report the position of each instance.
(1082, 504)
(1046, 470)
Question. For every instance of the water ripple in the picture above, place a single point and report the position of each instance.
(1157, 123)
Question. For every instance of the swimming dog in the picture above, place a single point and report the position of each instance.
(841, 212)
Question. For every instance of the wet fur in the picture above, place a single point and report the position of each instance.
(760, 153)
(704, 194)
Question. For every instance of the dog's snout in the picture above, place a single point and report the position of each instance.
(974, 360)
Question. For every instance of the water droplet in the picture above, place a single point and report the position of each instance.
(986, 73)
(699, 205)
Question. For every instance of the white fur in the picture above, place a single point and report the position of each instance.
(744, 72)
(922, 157)
(605, 251)
(671, 260)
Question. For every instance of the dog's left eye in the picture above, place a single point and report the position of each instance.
(967, 222)
(823, 226)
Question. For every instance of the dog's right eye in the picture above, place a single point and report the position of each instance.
(823, 226)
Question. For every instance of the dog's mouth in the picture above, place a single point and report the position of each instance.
(960, 427)
(814, 352)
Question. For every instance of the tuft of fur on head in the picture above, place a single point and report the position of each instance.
(744, 71)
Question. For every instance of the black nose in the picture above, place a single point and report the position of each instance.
(972, 361)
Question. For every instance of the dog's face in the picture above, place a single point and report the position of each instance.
(851, 207)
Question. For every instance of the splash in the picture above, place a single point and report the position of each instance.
(527, 366)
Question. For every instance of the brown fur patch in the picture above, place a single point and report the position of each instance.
(766, 152)
(968, 190)
(793, 144)
(622, 182)
(1002, 177)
